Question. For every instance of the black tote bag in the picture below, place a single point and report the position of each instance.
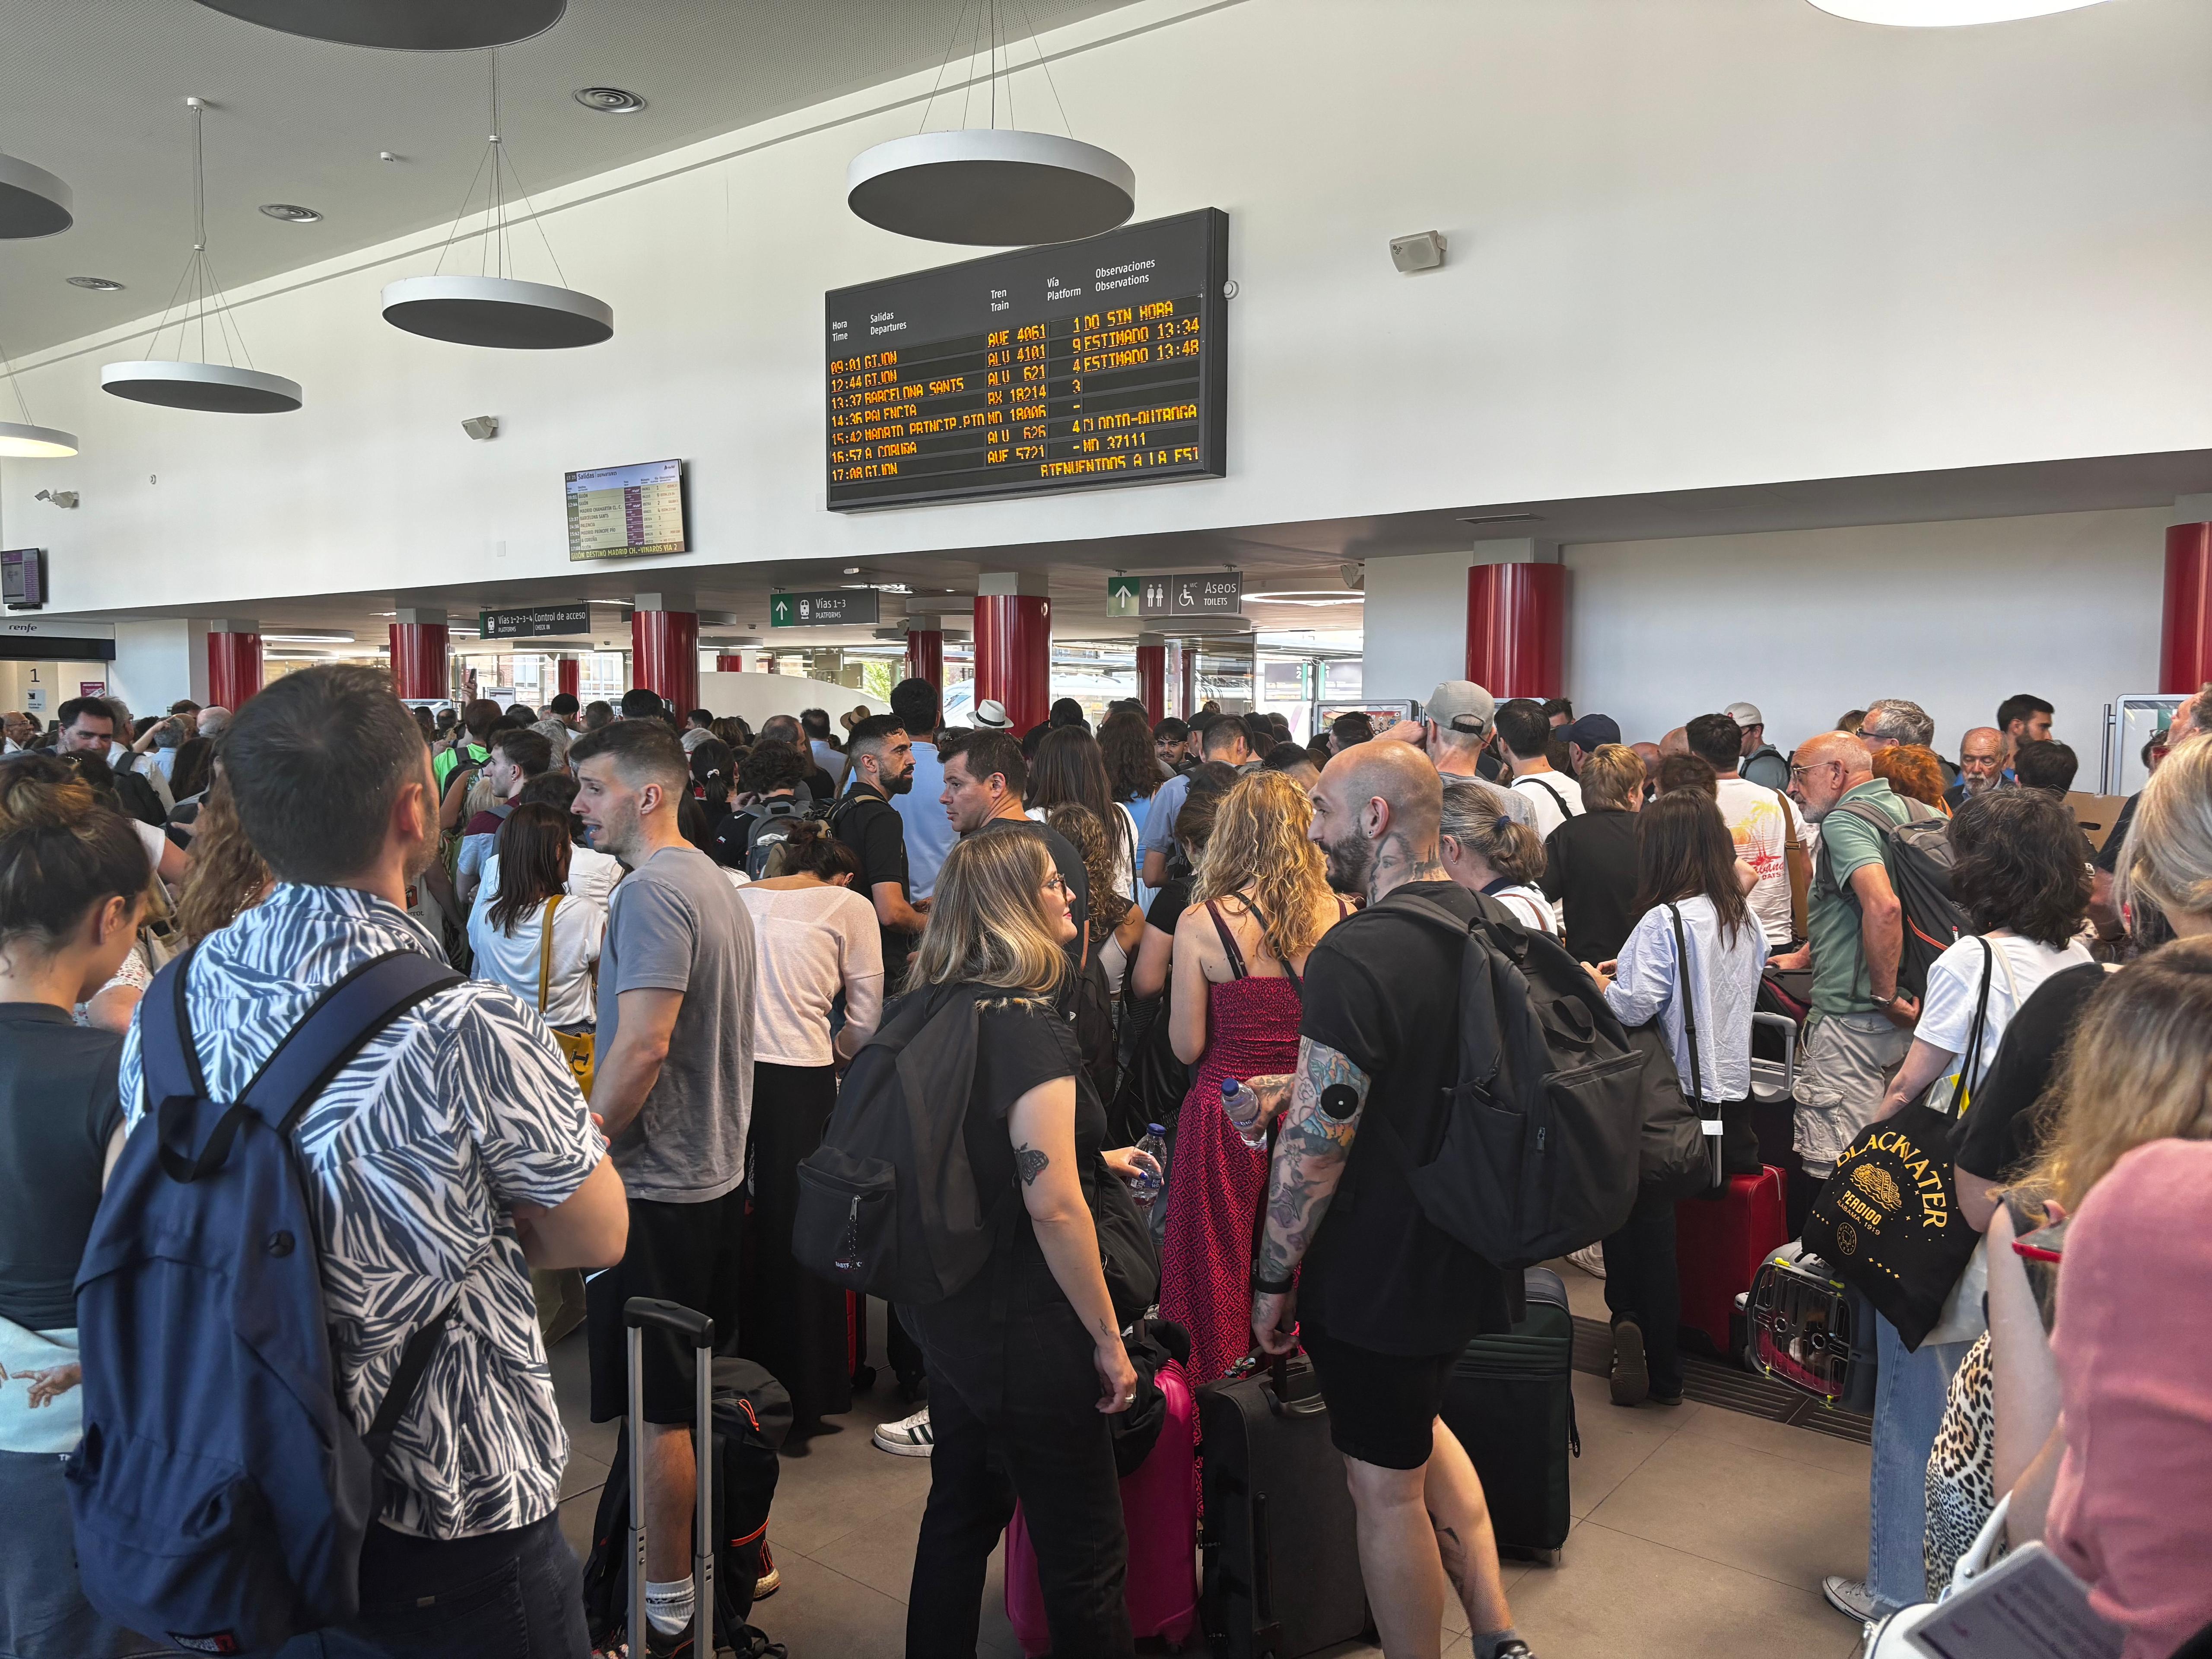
(1889, 1219)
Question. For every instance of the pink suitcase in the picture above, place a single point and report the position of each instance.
(1159, 1502)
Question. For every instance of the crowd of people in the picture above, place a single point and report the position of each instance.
(679, 932)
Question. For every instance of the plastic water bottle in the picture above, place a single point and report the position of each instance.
(1145, 1184)
(1243, 1105)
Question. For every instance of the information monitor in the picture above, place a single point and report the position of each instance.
(618, 511)
(1098, 361)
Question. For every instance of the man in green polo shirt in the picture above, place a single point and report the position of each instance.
(473, 749)
(1861, 1024)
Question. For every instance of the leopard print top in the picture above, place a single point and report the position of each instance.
(1961, 1484)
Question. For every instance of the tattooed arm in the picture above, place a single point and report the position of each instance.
(1042, 1128)
(1309, 1161)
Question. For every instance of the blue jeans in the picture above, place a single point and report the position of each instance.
(517, 1595)
(1909, 1394)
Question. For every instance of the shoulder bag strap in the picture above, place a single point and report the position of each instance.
(1961, 1094)
(1228, 941)
(545, 950)
(1559, 800)
(1689, 1009)
(1797, 866)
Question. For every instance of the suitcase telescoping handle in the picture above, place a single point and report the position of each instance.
(638, 1313)
(1280, 1401)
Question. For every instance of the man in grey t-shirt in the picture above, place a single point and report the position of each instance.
(673, 1086)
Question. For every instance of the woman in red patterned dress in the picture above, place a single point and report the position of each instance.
(1259, 902)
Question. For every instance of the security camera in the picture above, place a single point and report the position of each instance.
(1355, 576)
(480, 427)
(58, 497)
(1423, 250)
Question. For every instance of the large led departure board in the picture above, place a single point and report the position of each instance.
(1101, 362)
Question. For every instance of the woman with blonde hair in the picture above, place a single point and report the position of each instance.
(1259, 902)
(1020, 1392)
(1487, 850)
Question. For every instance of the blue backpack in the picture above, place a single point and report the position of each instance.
(221, 1494)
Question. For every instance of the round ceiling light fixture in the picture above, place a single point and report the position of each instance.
(291, 213)
(497, 311)
(991, 187)
(401, 25)
(492, 307)
(96, 285)
(224, 388)
(32, 202)
(1308, 596)
(213, 388)
(1945, 14)
(609, 100)
(20, 441)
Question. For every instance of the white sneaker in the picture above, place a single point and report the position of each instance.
(1590, 1259)
(1852, 1597)
(907, 1438)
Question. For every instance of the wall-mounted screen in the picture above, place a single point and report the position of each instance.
(1098, 361)
(23, 578)
(617, 512)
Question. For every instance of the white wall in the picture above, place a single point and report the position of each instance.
(158, 662)
(1693, 243)
(1956, 617)
(1415, 619)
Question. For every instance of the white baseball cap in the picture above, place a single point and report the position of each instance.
(991, 716)
(1745, 714)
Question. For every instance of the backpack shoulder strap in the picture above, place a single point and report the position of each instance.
(168, 1058)
(335, 1030)
(1559, 799)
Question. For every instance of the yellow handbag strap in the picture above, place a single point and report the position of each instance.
(545, 950)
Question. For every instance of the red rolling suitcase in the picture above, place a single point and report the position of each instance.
(1159, 1502)
(1719, 1245)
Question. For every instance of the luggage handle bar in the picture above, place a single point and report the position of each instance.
(1278, 1393)
(638, 1313)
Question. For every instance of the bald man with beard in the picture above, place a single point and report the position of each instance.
(1385, 1299)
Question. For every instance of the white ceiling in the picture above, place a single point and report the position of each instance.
(94, 91)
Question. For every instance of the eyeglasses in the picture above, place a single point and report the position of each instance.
(1797, 772)
(1057, 883)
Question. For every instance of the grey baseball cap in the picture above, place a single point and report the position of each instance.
(1461, 706)
(1745, 714)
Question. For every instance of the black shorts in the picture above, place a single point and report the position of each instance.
(684, 1253)
(1383, 1408)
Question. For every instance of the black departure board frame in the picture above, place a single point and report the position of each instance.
(933, 378)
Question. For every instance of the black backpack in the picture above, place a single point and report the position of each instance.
(1919, 855)
(751, 836)
(1541, 1148)
(863, 1221)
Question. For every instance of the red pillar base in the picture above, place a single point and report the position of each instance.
(664, 655)
(419, 670)
(1516, 630)
(1013, 655)
(925, 656)
(233, 668)
(2184, 656)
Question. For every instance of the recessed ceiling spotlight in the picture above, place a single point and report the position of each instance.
(852, 571)
(291, 213)
(609, 100)
(97, 284)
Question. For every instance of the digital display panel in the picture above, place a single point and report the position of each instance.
(615, 511)
(1098, 361)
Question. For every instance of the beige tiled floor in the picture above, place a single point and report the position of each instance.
(1699, 1532)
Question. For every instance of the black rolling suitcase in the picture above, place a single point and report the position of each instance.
(1512, 1403)
(1279, 1550)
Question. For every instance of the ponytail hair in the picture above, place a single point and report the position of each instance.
(812, 850)
(62, 851)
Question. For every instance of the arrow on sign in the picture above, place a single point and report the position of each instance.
(782, 609)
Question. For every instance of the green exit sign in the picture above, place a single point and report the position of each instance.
(1121, 595)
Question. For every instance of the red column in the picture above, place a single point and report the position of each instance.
(1516, 630)
(1185, 662)
(2184, 656)
(925, 655)
(233, 668)
(569, 676)
(726, 663)
(1152, 677)
(663, 647)
(1013, 655)
(419, 667)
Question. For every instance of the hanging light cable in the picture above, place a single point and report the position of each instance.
(991, 186)
(493, 307)
(224, 388)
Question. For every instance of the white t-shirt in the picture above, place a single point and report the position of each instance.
(580, 927)
(1954, 987)
(1544, 792)
(1753, 816)
(814, 942)
(1530, 908)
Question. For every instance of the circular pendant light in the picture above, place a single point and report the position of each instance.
(20, 441)
(402, 25)
(1945, 14)
(497, 311)
(217, 388)
(991, 187)
(32, 202)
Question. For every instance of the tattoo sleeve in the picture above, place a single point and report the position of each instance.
(1310, 1155)
(1029, 1164)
